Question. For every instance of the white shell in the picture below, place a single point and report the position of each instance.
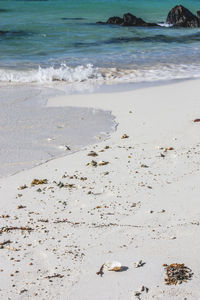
(113, 266)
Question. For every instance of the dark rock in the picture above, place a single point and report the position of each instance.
(115, 21)
(127, 20)
(198, 13)
(131, 20)
(182, 17)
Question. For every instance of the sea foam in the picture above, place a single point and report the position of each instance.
(50, 74)
(88, 75)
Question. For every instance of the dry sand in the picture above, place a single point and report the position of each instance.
(142, 205)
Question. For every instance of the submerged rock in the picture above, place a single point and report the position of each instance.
(2, 32)
(182, 17)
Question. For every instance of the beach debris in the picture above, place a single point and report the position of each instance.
(110, 266)
(22, 187)
(100, 272)
(54, 276)
(23, 291)
(39, 181)
(11, 248)
(21, 206)
(2, 244)
(60, 184)
(4, 216)
(66, 185)
(43, 220)
(106, 147)
(67, 148)
(139, 264)
(162, 155)
(92, 153)
(113, 266)
(70, 185)
(124, 136)
(93, 163)
(143, 289)
(144, 166)
(8, 229)
(103, 163)
(105, 173)
(177, 273)
(66, 221)
(168, 149)
(196, 120)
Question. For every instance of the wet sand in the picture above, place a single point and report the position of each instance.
(31, 133)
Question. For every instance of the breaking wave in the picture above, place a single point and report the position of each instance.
(90, 74)
(50, 74)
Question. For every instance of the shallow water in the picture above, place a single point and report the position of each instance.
(60, 35)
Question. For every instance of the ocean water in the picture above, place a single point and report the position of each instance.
(59, 40)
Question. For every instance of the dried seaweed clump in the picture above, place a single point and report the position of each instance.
(39, 181)
(177, 274)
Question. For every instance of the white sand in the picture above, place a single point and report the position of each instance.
(131, 213)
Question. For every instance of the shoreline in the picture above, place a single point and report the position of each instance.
(139, 206)
(39, 95)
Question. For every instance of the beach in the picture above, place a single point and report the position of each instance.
(134, 199)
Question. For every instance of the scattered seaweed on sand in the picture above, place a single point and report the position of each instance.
(177, 274)
(54, 276)
(21, 206)
(2, 244)
(39, 181)
(22, 187)
(103, 163)
(4, 216)
(92, 153)
(124, 136)
(168, 149)
(12, 228)
(93, 163)
(100, 272)
(110, 266)
(139, 264)
(196, 120)
(67, 221)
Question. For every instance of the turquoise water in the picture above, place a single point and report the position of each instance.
(62, 38)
